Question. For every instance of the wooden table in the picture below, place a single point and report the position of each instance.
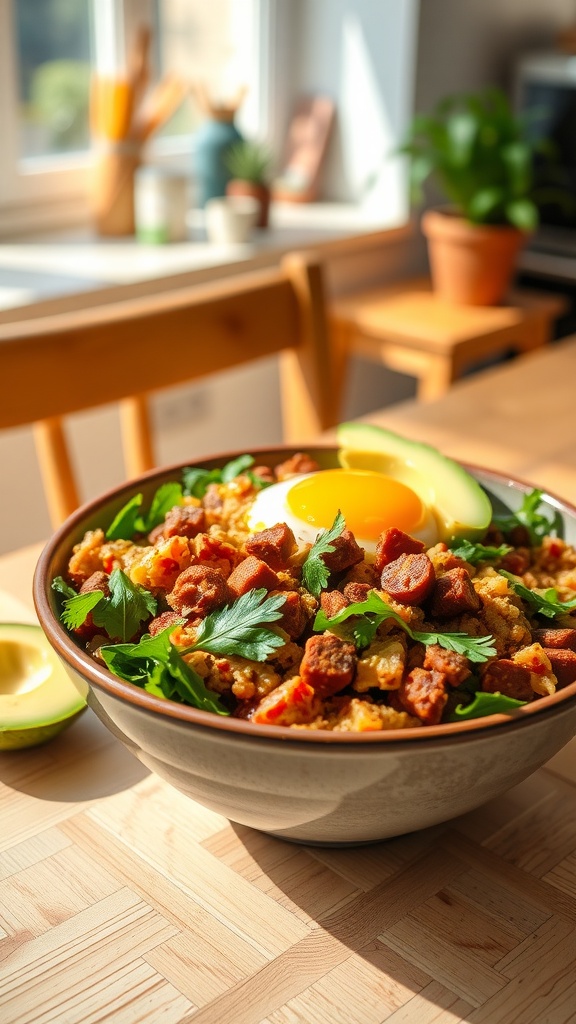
(121, 900)
(408, 328)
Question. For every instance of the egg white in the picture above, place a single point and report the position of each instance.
(271, 507)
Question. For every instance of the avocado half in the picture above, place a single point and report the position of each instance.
(37, 698)
(462, 509)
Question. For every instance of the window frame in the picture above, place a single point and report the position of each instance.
(54, 190)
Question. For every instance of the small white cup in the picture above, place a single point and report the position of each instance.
(230, 219)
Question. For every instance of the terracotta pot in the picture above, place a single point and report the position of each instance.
(238, 187)
(471, 264)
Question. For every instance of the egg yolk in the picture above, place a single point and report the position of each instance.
(370, 502)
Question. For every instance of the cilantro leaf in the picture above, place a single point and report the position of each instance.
(128, 605)
(537, 523)
(474, 553)
(156, 665)
(315, 574)
(123, 526)
(61, 587)
(484, 704)
(75, 610)
(546, 604)
(237, 628)
(474, 648)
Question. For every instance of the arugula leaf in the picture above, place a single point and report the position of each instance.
(128, 605)
(474, 648)
(315, 574)
(129, 520)
(542, 604)
(484, 704)
(237, 628)
(474, 553)
(537, 523)
(156, 665)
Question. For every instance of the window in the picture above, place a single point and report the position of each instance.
(46, 64)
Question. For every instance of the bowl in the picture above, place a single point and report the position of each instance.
(314, 787)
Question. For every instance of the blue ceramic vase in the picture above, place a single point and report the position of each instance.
(213, 139)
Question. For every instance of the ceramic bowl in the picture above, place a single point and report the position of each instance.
(310, 786)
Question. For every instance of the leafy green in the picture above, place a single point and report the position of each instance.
(119, 613)
(484, 704)
(315, 574)
(476, 649)
(474, 553)
(545, 603)
(156, 665)
(61, 587)
(196, 480)
(129, 519)
(537, 523)
(237, 628)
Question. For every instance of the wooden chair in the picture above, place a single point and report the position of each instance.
(60, 364)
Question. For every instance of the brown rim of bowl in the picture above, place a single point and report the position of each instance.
(100, 678)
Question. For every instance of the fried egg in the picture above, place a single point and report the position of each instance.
(369, 501)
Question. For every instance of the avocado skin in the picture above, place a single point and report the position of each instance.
(20, 739)
(462, 508)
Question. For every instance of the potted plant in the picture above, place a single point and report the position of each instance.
(249, 164)
(476, 150)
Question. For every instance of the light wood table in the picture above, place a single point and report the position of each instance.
(408, 328)
(121, 900)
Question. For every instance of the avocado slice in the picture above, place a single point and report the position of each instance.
(37, 697)
(462, 509)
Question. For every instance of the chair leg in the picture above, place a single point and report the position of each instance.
(137, 441)
(56, 469)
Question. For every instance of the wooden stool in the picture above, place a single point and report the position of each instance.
(409, 329)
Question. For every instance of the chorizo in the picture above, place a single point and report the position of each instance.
(184, 521)
(392, 543)
(332, 602)
(506, 677)
(456, 667)
(252, 574)
(356, 592)
(409, 579)
(423, 693)
(346, 553)
(273, 546)
(294, 617)
(557, 638)
(563, 663)
(162, 621)
(329, 664)
(297, 463)
(453, 594)
(199, 590)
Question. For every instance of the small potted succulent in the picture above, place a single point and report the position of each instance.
(479, 154)
(249, 163)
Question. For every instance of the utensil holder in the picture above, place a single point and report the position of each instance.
(113, 188)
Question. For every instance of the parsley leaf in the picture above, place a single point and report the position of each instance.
(119, 613)
(156, 665)
(129, 520)
(474, 553)
(315, 574)
(537, 523)
(474, 648)
(237, 628)
(484, 704)
(546, 604)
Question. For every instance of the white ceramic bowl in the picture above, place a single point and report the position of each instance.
(310, 786)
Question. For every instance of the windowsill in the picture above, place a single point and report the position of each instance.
(51, 271)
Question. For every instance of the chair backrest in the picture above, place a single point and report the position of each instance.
(60, 364)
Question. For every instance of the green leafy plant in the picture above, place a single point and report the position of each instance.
(251, 161)
(478, 152)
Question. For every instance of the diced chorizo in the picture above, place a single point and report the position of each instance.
(162, 621)
(504, 676)
(455, 667)
(392, 543)
(184, 521)
(556, 638)
(332, 602)
(409, 579)
(328, 664)
(563, 663)
(273, 546)
(423, 693)
(294, 617)
(515, 562)
(356, 592)
(199, 590)
(263, 473)
(97, 581)
(346, 553)
(453, 594)
(252, 574)
(297, 463)
(519, 536)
